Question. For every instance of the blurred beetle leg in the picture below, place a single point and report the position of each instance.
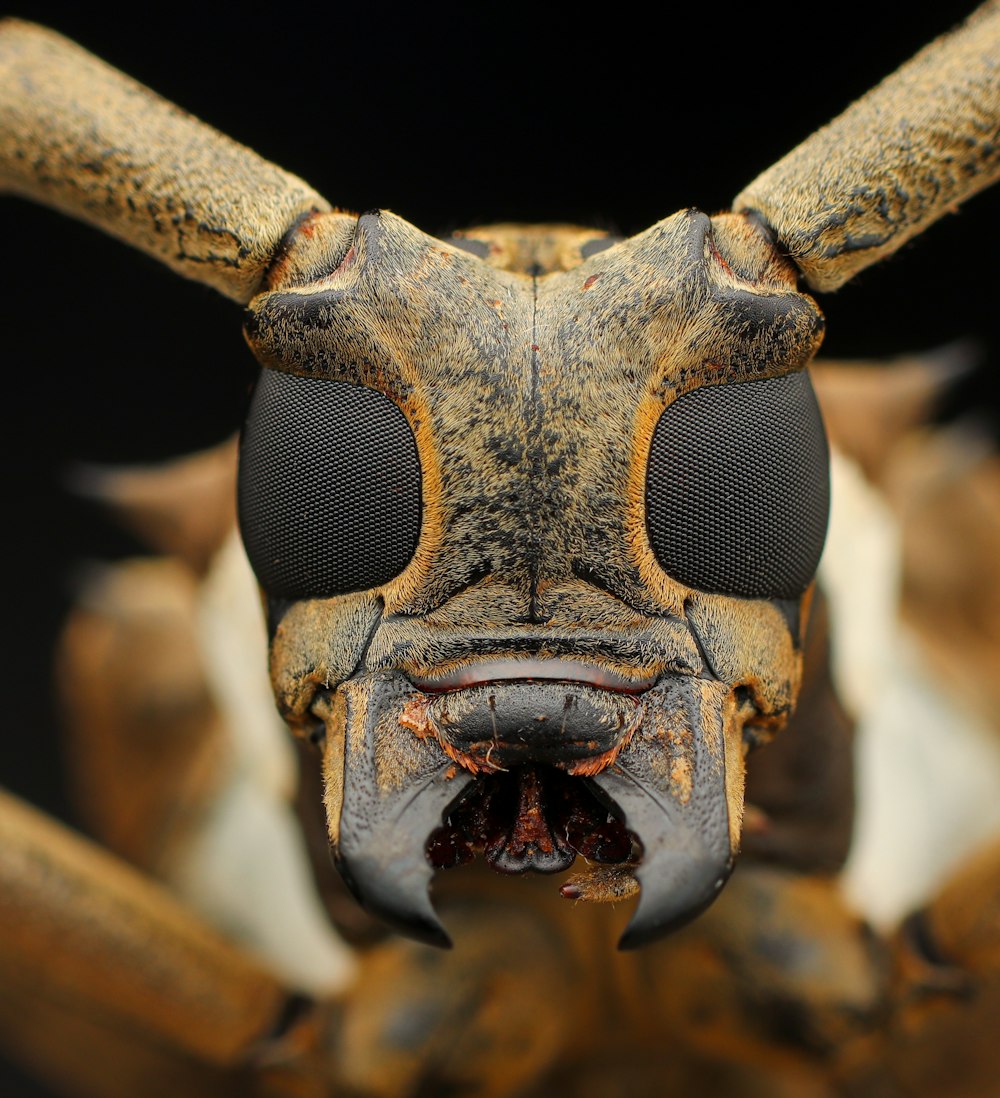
(85, 930)
(147, 750)
(964, 919)
(486, 1018)
(184, 507)
(941, 1039)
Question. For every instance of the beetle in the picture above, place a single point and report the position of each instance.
(388, 907)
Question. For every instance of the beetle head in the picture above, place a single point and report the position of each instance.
(537, 544)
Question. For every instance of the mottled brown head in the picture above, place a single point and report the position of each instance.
(527, 537)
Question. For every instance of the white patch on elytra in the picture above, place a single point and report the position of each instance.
(928, 770)
(246, 869)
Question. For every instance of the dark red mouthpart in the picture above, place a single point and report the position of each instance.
(531, 818)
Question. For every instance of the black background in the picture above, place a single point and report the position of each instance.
(449, 117)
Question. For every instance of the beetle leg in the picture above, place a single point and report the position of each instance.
(85, 933)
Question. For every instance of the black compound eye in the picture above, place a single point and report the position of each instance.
(329, 488)
(738, 488)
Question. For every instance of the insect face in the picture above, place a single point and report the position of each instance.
(537, 542)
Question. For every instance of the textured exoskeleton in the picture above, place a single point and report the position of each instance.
(536, 513)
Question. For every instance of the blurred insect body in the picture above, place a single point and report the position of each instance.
(570, 633)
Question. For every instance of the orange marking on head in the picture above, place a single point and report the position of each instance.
(717, 255)
(346, 261)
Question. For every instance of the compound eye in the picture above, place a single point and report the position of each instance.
(738, 488)
(329, 487)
